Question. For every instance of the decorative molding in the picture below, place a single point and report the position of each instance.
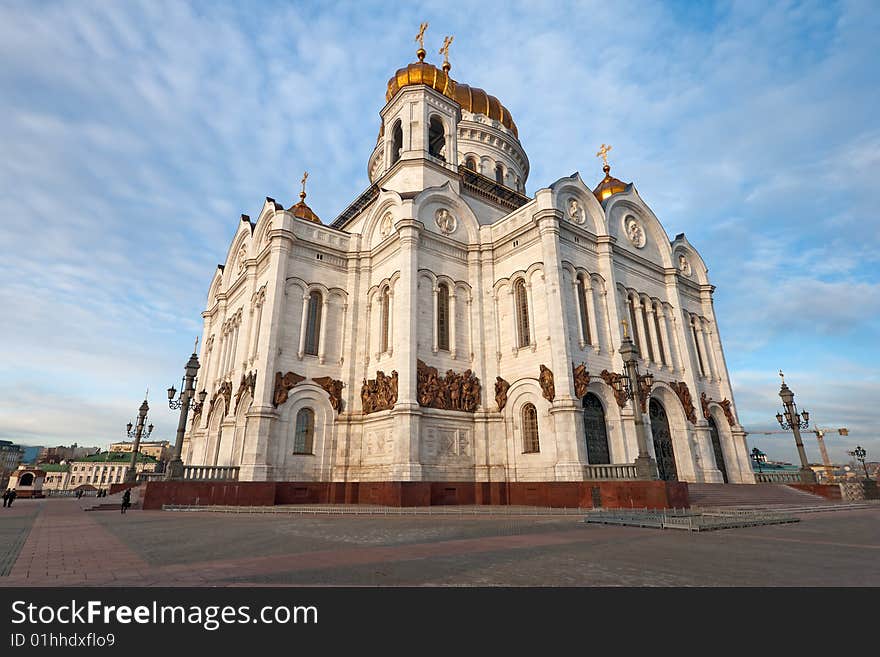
(501, 388)
(545, 378)
(333, 387)
(684, 396)
(379, 394)
(283, 383)
(611, 378)
(581, 380)
(247, 384)
(728, 411)
(224, 391)
(454, 392)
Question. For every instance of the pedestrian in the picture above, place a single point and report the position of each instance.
(11, 498)
(5, 497)
(126, 500)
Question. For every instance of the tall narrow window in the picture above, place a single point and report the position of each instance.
(522, 314)
(313, 323)
(647, 333)
(303, 439)
(530, 429)
(662, 354)
(499, 173)
(396, 141)
(436, 138)
(697, 346)
(471, 164)
(443, 316)
(386, 308)
(582, 310)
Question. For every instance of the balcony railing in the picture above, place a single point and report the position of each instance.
(777, 477)
(611, 471)
(210, 472)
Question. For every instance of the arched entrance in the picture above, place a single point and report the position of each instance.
(716, 446)
(662, 441)
(594, 430)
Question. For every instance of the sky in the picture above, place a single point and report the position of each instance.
(134, 135)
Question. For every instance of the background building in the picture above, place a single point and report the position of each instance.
(159, 449)
(98, 471)
(65, 453)
(11, 456)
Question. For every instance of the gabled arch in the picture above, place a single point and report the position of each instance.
(387, 201)
(626, 203)
(574, 185)
(433, 198)
(681, 246)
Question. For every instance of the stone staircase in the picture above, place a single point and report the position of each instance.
(751, 495)
(112, 502)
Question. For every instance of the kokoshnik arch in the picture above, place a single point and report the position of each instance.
(449, 327)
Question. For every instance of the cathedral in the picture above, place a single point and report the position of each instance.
(449, 327)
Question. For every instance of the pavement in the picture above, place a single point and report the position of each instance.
(53, 542)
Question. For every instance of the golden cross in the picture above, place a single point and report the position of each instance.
(603, 153)
(420, 37)
(303, 181)
(625, 328)
(447, 41)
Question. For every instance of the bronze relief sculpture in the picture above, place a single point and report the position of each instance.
(333, 387)
(611, 378)
(545, 378)
(452, 392)
(247, 384)
(684, 396)
(283, 383)
(379, 394)
(501, 388)
(581, 380)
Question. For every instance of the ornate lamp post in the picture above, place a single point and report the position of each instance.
(636, 387)
(758, 456)
(185, 403)
(859, 453)
(137, 434)
(791, 419)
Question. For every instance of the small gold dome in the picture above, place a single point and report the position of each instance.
(303, 211)
(471, 99)
(609, 185)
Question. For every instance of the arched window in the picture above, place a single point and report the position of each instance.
(303, 439)
(662, 354)
(313, 323)
(436, 138)
(499, 173)
(697, 346)
(443, 316)
(471, 164)
(522, 314)
(386, 323)
(647, 332)
(582, 310)
(396, 141)
(530, 429)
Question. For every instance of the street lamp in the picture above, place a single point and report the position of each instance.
(137, 434)
(184, 402)
(791, 419)
(758, 456)
(859, 453)
(636, 386)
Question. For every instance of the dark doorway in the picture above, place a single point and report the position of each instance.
(716, 446)
(595, 431)
(662, 442)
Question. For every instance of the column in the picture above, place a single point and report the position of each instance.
(436, 329)
(322, 338)
(711, 345)
(257, 330)
(667, 342)
(582, 339)
(391, 333)
(453, 335)
(514, 317)
(652, 332)
(707, 359)
(643, 336)
(302, 327)
(344, 330)
(592, 313)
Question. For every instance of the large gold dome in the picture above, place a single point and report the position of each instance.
(471, 99)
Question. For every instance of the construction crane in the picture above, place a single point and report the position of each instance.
(820, 438)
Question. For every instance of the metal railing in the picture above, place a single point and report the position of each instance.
(611, 471)
(210, 472)
(777, 478)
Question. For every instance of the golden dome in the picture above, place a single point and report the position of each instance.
(471, 99)
(303, 211)
(609, 185)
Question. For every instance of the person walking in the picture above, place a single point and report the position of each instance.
(126, 500)
(5, 497)
(11, 498)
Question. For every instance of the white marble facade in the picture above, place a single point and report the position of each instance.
(462, 271)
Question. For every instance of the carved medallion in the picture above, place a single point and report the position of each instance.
(611, 378)
(247, 384)
(334, 390)
(453, 392)
(581, 380)
(684, 396)
(501, 388)
(283, 383)
(575, 212)
(386, 225)
(445, 221)
(634, 231)
(379, 394)
(684, 266)
(545, 378)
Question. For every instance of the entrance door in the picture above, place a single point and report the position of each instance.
(716, 445)
(594, 430)
(662, 441)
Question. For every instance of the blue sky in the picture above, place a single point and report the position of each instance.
(135, 133)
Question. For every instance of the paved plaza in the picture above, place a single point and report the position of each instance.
(55, 543)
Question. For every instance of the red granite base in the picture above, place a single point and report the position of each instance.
(571, 494)
(828, 491)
